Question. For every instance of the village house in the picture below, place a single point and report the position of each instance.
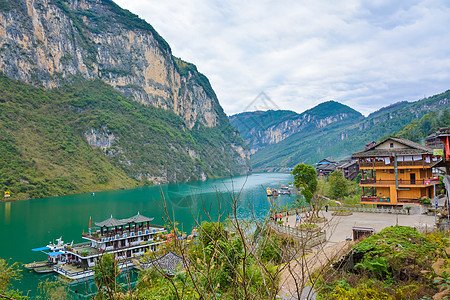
(348, 167)
(325, 167)
(396, 172)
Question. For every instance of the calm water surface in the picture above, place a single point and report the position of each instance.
(34, 223)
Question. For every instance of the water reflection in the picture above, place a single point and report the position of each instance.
(7, 213)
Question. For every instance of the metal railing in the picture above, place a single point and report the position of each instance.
(371, 210)
(123, 235)
(386, 200)
(309, 238)
(374, 181)
(71, 274)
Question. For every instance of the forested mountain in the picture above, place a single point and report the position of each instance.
(309, 143)
(264, 128)
(100, 102)
(419, 129)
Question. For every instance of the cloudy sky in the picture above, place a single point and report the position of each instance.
(366, 54)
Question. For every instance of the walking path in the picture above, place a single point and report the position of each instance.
(338, 229)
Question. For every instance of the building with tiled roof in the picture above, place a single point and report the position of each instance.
(396, 172)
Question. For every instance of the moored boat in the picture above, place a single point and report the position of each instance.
(55, 253)
(284, 190)
(127, 239)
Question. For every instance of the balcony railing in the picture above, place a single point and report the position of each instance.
(374, 181)
(380, 164)
(381, 200)
(113, 235)
(375, 199)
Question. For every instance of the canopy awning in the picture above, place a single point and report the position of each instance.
(40, 249)
(55, 253)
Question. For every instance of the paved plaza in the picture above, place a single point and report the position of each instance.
(339, 228)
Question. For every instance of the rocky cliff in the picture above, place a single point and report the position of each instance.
(92, 99)
(52, 42)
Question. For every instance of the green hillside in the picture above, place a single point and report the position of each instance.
(340, 139)
(44, 150)
(419, 129)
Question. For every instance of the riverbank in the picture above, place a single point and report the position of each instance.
(32, 224)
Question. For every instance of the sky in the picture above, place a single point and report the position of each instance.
(365, 54)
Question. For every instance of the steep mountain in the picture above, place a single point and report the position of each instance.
(53, 42)
(333, 140)
(263, 128)
(92, 98)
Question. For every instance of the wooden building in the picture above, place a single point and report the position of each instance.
(396, 172)
(325, 167)
(349, 168)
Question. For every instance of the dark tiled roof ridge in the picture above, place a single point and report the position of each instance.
(416, 149)
(411, 144)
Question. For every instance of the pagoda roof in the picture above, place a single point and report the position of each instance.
(137, 219)
(111, 222)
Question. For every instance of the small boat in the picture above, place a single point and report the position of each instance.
(55, 253)
(284, 190)
(269, 192)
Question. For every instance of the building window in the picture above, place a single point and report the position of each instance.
(402, 171)
(391, 171)
(391, 145)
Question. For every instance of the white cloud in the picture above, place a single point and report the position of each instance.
(366, 54)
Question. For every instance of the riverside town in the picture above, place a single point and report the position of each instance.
(224, 150)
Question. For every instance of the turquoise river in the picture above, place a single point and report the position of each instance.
(34, 223)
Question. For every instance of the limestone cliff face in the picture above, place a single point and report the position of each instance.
(283, 130)
(52, 42)
(259, 138)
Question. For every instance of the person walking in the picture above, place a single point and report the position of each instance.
(326, 207)
(297, 218)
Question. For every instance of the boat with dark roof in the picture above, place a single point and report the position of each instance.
(127, 239)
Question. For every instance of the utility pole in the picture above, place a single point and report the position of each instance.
(436, 204)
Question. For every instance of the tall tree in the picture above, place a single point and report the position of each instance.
(305, 178)
(338, 185)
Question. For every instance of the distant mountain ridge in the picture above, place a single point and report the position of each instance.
(329, 130)
(263, 128)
